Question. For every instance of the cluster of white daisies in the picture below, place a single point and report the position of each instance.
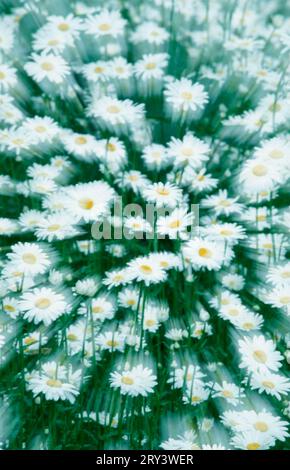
(174, 336)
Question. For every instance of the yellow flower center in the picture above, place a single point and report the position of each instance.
(112, 344)
(29, 341)
(225, 203)
(285, 300)
(54, 383)
(253, 446)
(248, 326)
(163, 191)
(53, 42)
(43, 303)
(131, 302)
(195, 398)
(233, 312)
(17, 141)
(285, 274)
(53, 228)
(262, 73)
(261, 218)
(150, 66)
(204, 252)
(260, 170)
(86, 203)
(146, 269)
(198, 332)
(150, 323)
(99, 69)
(175, 224)
(226, 232)
(111, 147)
(186, 95)
(97, 309)
(268, 246)
(164, 264)
(113, 109)
(275, 107)
(187, 152)
(2, 75)
(47, 66)
(276, 154)
(63, 27)
(17, 273)
(9, 308)
(40, 129)
(104, 27)
(72, 337)
(268, 384)
(156, 155)
(260, 356)
(81, 140)
(29, 258)
(261, 426)
(127, 380)
(133, 177)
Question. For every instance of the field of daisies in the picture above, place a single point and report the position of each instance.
(175, 334)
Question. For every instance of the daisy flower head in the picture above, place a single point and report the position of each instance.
(269, 383)
(53, 388)
(221, 203)
(30, 258)
(89, 201)
(163, 194)
(136, 381)
(8, 77)
(105, 24)
(264, 422)
(68, 26)
(252, 440)
(43, 305)
(184, 99)
(47, 67)
(280, 298)
(57, 226)
(259, 354)
(204, 253)
(150, 71)
(176, 224)
(279, 276)
(147, 270)
(116, 115)
(259, 175)
(155, 157)
(190, 151)
(151, 36)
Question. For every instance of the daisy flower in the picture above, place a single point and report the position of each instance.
(259, 354)
(48, 67)
(30, 258)
(184, 98)
(189, 151)
(161, 194)
(43, 304)
(136, 381)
